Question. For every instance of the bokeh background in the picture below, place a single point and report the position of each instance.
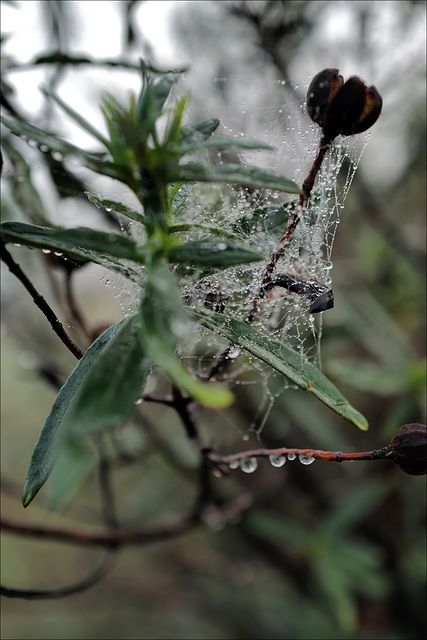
(326, 551)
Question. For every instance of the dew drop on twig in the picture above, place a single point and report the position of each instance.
(291, 456)
(248, 465)
(277, 460)
(305, 459)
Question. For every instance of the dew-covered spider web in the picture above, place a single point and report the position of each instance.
(275, 115)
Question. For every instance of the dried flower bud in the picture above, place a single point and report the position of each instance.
(342, 108)
(409, 446)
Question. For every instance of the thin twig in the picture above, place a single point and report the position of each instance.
(292, 224)
(72, 305)
(106, 489)
(39, 301)
(48, 594)
(284, 241)
(315, 454)
(103, 539)
(181, 406)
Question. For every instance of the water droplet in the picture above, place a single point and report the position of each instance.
(304, 458)
(291, 456)
(16, 244)
(57, 155)
(221, 246)
(44, 148)
(234, 464)
(277, 460)
(328, 265)
(58, 253)
(46, 251)
(139, 401)
(32, 143)
(248, 465)
(234, 353)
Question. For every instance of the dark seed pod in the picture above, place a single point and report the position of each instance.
(409, 446)
(322, 89)
(342, 108)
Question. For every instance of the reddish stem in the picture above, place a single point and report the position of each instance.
(317, 454)
(292, 224)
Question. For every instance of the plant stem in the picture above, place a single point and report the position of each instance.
(39, 301)
(288, 233)
(307, 186)
(329, 456)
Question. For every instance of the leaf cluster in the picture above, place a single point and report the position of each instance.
(147, 150)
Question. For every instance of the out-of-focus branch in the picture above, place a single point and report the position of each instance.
(39, 301)
(49, 594)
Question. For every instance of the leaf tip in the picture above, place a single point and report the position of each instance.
(28, 494)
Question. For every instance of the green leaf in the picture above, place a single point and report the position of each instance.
(222, 143)
(24, 191)
(76, 116)
(263, 219)
(198, 131)
(164, 321)
(106, 249)
(153, 95)
(100, 393)
(212, 252)
(234, 174)
(190, 226)
(116, 206)
(284, 360)
(75, 463)
(93, 161)
(30, 132)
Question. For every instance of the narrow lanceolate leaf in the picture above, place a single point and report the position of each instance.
(284, 360)
(76, 116)
(116, 206)
(30, 132)
(198, 131)
(100, 393)
(235, 174)
(222, 143)
(190, 226)
(50, 142)
(164, 321)
(106, 249)
(212, 252)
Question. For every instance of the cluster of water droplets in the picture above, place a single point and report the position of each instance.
(249, 464)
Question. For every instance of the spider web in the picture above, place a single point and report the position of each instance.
(284, 124)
